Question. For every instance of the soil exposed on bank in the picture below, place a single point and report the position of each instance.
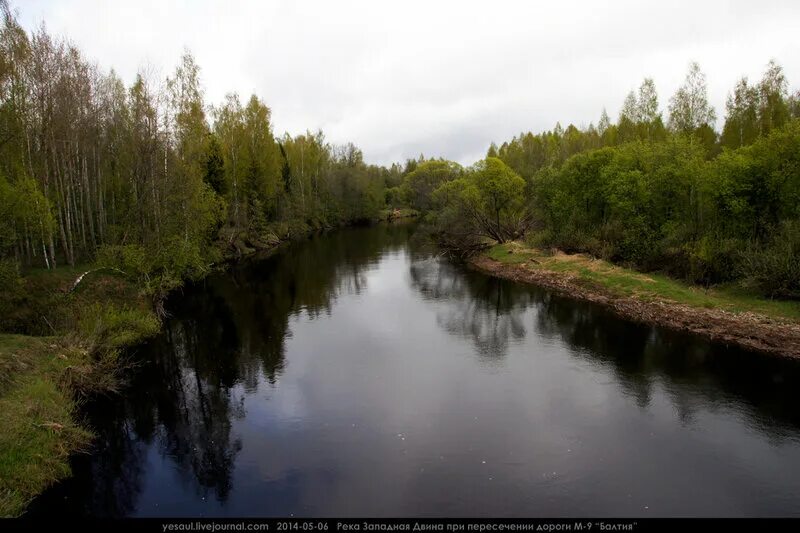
(754, 331)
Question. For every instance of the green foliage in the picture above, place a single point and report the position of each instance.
(215, 166)
(184, 250)
(621, 203)
(710, 259)
(11, 289)
(689, 108)
(653, 286)
(662, 205)
(141, 178)
(489, 200)
(394, 197)
(419, 184)
(741, 123)
(24, 210)
(671, 202)
(775, 268)
(131, 259)
(38, 429)
(759, 185)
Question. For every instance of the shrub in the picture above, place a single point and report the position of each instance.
(10, 288)
(571, 239)
(541, 239)
(131, 259)
(775, 268)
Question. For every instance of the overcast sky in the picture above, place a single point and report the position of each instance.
(440, 78)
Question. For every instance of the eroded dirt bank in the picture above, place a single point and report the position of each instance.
(749, 330)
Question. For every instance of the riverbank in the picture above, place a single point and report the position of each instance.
(71, 347)
(64, 342)
(724, 314)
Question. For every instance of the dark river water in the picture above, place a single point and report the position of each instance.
(357, 373)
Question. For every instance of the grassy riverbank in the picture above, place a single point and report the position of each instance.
(73, 350)
(727, 313)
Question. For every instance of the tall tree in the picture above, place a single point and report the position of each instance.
(603, 123)
(689, 109)
(490, 199)
(215, 166)
(741, 121)
(647, 103)
(630, 109)
(772, 94)
(628, 118)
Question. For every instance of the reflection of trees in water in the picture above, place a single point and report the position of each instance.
(226, 335)
(602, 338)
(196, 415)
(120, 480)
(694, 372)
(180, 402)
(232, 329)
(251, 305)
(487, 310)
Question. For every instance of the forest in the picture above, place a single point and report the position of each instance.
(152, 180)
(149, 178)
(656, 194)
(147, 186)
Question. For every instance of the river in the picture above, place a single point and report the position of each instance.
(357, 373)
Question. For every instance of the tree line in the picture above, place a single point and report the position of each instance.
(149, 177)
(657, 194)
(152, 180)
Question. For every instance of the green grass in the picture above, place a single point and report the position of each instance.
(47, 305)
(647, 287)
(42, 378)
(38, 428)
(510, 254)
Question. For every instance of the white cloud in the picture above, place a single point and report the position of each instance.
(443, 78)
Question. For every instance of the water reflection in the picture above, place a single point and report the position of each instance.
(487, 310)
(493, 313)
(225, 335)
(303, 381)
(695, 371)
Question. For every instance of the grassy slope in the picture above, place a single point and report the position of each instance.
(43, 377)
(647, 287)
(38, 429)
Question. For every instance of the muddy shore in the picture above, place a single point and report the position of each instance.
(748, 330)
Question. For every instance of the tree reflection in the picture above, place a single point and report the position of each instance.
(694, 373)
(484, 309)
(226, 335)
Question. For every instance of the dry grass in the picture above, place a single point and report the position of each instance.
(721, 314)
(646, 287)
